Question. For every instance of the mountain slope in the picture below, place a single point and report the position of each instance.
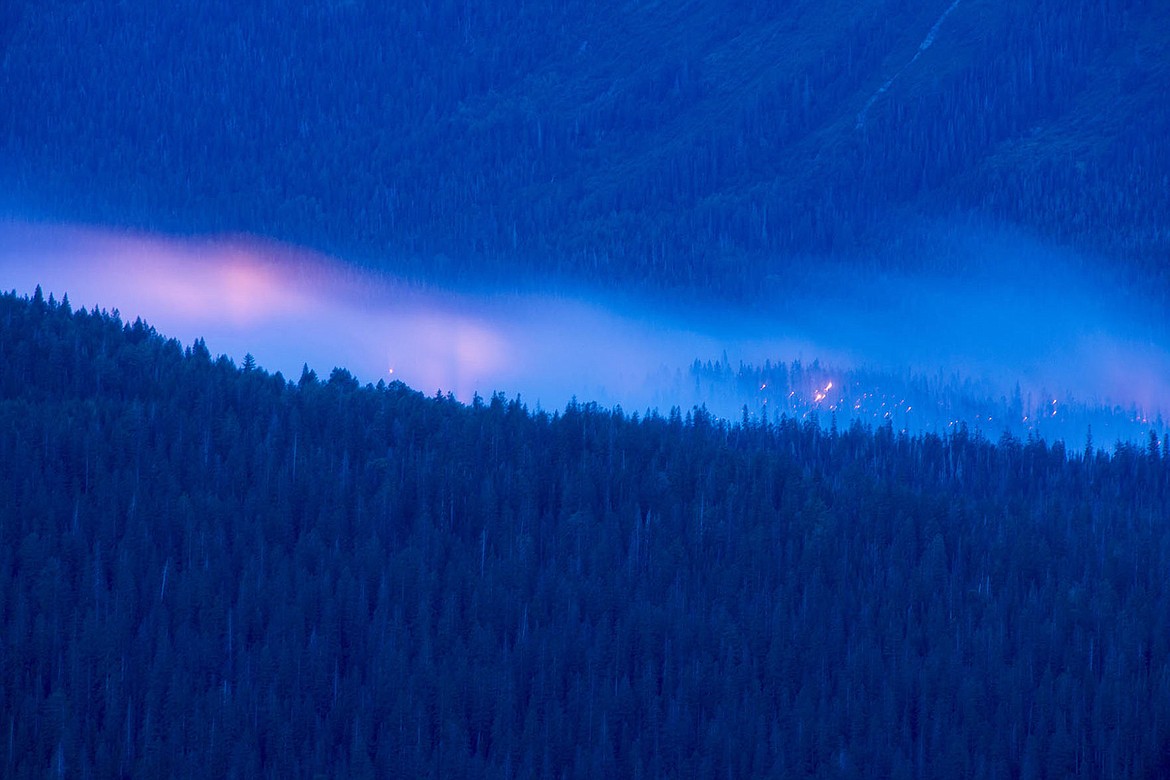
(694, 144)
(206, 570)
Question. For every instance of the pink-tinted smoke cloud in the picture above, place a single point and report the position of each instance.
(289, 307)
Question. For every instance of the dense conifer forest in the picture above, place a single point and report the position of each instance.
(709, 147)
(210, 571)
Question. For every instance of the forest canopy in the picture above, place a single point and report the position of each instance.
(706, 147)
(208, 570)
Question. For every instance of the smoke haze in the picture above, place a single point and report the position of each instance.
(1026, 317)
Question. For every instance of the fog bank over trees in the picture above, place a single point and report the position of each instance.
(991, 349)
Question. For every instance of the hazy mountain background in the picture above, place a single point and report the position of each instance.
(701, 147)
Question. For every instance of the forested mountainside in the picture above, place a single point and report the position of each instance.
(704, 146)
(206, 570)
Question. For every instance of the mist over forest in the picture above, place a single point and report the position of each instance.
(1032, 344)
(585, 389)
(975, 188)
